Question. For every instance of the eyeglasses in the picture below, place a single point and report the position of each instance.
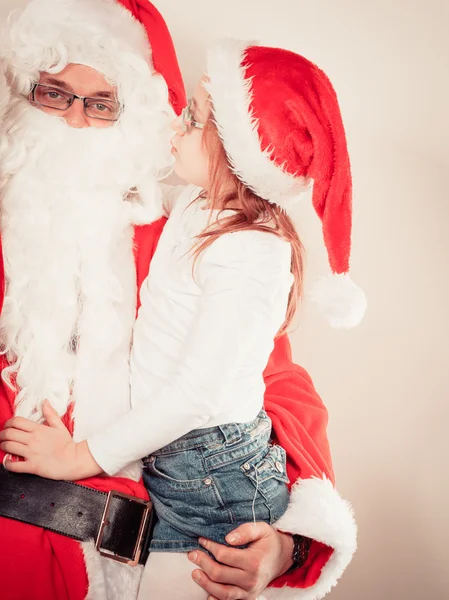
(187, 119)
(94, 108)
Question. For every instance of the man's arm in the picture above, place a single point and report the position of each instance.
(316, 510)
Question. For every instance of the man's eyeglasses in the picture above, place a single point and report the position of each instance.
(94, 108)
(187, 119)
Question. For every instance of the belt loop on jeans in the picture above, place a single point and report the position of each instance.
(231, 433)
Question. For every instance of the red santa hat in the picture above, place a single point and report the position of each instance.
(280, 123)
(49, 34)
(103, 34)
(164, 56)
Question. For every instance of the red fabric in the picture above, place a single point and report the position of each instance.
(164, 56)
(54, 566)
(39, 564)
(298, 414)
(299, 423)
(146, 238)
(310, 572)
(298, 115)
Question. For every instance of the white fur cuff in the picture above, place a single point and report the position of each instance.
(317, 511)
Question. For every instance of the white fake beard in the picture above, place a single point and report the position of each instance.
(69, 265)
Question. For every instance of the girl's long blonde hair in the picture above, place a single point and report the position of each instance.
(254, 213)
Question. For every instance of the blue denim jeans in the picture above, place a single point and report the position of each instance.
(209, 481)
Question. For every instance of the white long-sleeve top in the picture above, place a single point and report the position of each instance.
(201, 340)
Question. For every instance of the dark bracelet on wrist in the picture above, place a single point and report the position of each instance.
(301, 549)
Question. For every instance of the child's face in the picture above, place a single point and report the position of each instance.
(191, 159)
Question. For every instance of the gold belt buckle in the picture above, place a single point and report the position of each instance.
(134, 560)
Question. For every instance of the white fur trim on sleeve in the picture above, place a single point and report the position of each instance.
(317, 511)
(238, 128)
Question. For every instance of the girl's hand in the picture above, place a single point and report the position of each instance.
(243, 574)
(45, 450)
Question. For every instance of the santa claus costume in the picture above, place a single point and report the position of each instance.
(74, 260)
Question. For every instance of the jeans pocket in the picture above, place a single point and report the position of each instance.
(181, 488)
(180, 470)
(268, 473)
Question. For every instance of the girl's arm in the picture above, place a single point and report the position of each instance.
(234, 274)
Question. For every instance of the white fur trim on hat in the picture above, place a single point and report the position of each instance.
(317, 511)
(47, 35)
(238, 128)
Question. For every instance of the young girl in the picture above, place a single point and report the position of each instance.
(224, 282)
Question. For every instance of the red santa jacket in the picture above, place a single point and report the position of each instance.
(43, 565)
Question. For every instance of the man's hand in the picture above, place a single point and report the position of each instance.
(243, 574)
(45, 450)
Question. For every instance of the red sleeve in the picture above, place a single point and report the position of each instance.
(163, 51)
(299, 425)
(310, 572)
(146, 238)
(298, 414)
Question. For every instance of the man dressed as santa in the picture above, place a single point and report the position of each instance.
(84, 117)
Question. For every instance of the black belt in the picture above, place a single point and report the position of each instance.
(121, 525)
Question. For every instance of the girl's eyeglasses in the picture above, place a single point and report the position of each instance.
(187, 119)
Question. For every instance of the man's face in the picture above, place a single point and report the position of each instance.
(82, 81)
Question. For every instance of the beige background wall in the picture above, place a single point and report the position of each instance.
(386, 383)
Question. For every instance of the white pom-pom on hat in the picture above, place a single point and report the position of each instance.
(340, 300)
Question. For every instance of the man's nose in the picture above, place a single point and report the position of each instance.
(75, 115)
(176, 125)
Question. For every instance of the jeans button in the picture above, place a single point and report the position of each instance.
(247, 466)
(208, 481)
(279, 466)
